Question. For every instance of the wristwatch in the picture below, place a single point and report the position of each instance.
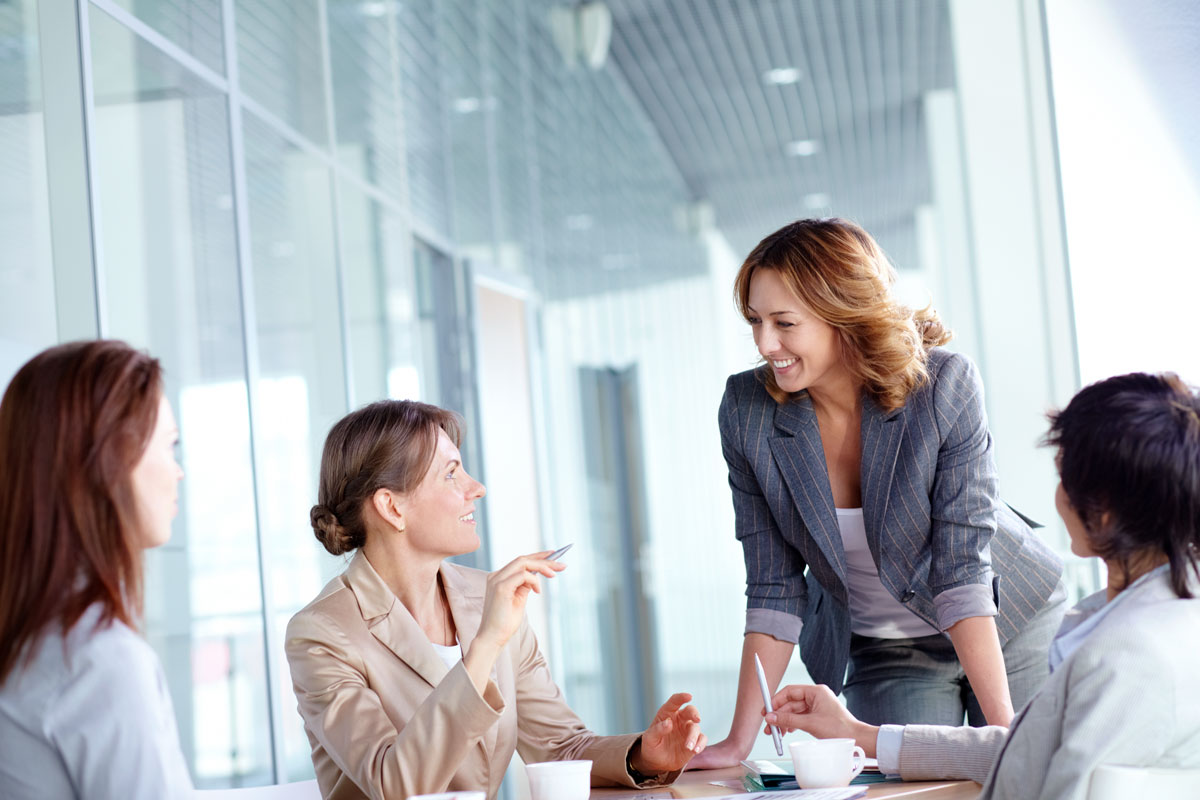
(638, 777)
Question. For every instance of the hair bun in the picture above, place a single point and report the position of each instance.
(329, 531)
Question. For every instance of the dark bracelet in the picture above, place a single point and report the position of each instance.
(638, 777)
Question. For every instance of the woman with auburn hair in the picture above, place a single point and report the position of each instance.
(1123, 687)
(88, 480)
(416, 675)
(866, 501)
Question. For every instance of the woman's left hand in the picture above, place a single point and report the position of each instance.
(672, 738)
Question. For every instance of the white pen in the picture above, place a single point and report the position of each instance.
(766, 693)
(557, 554)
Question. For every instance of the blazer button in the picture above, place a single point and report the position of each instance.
(908, 595)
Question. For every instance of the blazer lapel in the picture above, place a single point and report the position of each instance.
(882, 433)
(390, 623)
(466, 607)
(801, 459)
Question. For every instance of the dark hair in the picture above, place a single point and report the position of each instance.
(74, 422)
(386, 445)
(1129, 460)
(836, 269)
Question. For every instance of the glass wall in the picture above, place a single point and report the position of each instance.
(304, 206)
(27, 303)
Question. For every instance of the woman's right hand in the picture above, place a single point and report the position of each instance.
(816, 710)
(507, 590)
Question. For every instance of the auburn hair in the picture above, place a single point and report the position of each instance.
(74, 422)
(843, 277)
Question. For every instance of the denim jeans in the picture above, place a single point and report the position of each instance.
(919, 681)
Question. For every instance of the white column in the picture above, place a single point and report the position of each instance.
(1026, 347)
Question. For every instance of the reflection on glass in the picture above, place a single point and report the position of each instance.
(366, 94)
(301, 390)
(164, 198)
(27, 315)
(385, 359)
(280, 63)
(425, 138)
(194, 25)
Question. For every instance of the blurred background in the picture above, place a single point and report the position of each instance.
(531, 212)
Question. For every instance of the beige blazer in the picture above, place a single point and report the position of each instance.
(386, 719)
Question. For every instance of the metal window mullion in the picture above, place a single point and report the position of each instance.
(237, 151)
(68, 125)
(339, 263)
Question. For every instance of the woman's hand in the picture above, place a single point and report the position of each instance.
(816, 710)
(507, 590)
(725, 753)
(672, 739)
(503, 609)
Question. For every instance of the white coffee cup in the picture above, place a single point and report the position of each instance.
(450, 796)
(560, 780)
(826, 763)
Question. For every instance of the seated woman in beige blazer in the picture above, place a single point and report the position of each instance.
(1122, 687)
(416, 675)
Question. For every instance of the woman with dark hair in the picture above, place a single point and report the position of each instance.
(1123, 686)
(866, 501)
(416, 675)
(88, 480)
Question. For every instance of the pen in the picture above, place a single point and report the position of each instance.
(557, 554)
(766, 693)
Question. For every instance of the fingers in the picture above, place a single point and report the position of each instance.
(673, 704)
(694, 740)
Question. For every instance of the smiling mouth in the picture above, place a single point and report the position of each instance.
(783, 364)
(467, 518)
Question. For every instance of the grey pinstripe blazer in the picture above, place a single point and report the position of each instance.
(934, 522)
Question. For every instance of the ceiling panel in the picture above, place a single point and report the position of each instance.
(698, 68)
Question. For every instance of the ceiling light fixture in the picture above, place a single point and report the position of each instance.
(817, 200)
(781, 76)
(803, 147)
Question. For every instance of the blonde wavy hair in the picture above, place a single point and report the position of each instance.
(843, 277)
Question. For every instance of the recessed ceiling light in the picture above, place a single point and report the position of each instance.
(816, 200)
(466, 105)
(579, 222)
(781, 76)
(803, 147)
(373, 8)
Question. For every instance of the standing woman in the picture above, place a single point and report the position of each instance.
(865, 495)
(88, 480)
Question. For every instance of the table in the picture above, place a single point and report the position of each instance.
(698, 783)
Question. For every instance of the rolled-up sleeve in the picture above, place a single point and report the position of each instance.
(776, 594)
(961, 602)
(964, 497)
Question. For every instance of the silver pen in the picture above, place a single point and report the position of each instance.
(557, 554)
(766, 693)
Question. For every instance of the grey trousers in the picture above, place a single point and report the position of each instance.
(920, 681)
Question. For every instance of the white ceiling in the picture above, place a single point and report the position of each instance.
(698, 68)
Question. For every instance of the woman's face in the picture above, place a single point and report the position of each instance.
(440, 514)
(1080, 545)
(803, 351)
(155, 480)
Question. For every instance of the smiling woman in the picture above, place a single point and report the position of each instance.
(416, 675)
(866, 500)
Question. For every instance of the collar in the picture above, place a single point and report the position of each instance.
(1087, 615)
(391, 623)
